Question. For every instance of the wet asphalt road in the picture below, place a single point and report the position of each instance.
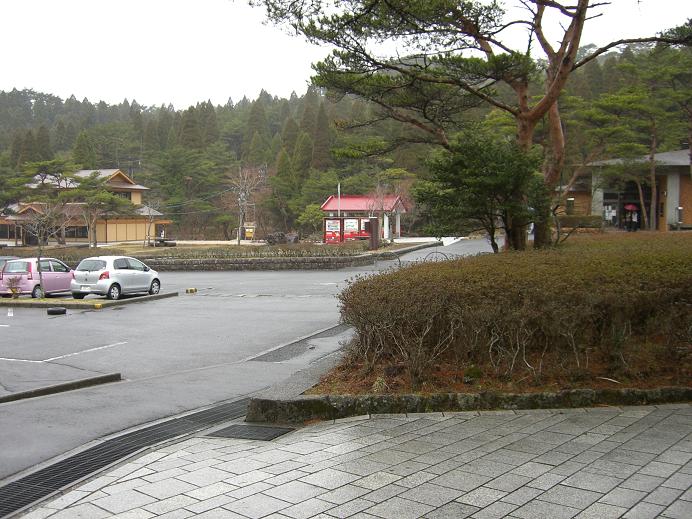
(175, 354)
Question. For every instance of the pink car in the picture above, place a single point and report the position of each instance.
(22, 276)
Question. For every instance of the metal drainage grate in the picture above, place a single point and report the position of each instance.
(250, 432)
(23, 492)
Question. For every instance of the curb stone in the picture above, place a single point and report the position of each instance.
(61, 388)
(330, 407)
(281, 263)
(286, 263)
(88, 304)
(394, 254)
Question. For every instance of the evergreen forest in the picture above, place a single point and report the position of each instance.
(628, 102)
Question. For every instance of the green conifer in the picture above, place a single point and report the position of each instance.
(321, 156)
(84, 152)
(302, 157)
(256, 124)
(289, 134)
(257, 152)
(28, 151)
(16, 149)
(190, 132)
(43, 148)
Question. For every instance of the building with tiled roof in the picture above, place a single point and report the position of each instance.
(141, 224)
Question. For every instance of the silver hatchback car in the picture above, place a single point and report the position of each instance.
(113, 276)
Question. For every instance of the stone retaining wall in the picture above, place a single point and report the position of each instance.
(287, 263)
(306, 408)
(279, 263)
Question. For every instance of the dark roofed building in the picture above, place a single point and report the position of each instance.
(673, 192)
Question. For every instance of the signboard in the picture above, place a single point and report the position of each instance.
(332, 230)
(350, 228)
(353, 229)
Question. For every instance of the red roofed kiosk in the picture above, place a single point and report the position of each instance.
(354, 213)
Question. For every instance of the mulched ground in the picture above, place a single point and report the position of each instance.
(355, 379)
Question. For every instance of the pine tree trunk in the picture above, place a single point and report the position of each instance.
(542, 236)
(515, 231)
(652, 179)
(493, 244)
(552, 169)
(518, 237)
(689, 138)
(515, 234)
(645, 216)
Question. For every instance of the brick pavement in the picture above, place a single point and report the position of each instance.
(632, 462)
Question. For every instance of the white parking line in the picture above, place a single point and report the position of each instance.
(64, 356)
(4, 325)
(86, 351)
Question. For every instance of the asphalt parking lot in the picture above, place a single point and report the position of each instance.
(174, 354)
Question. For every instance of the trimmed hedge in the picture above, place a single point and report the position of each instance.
(73, 255)
(598, 300)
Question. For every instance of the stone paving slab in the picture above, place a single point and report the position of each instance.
(586, 463)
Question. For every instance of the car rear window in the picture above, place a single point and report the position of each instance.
(16, 266)
(91, 265)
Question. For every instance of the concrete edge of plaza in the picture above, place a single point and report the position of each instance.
(84, 304)
(61, 388)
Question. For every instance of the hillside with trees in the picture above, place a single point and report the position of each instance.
(630, 101)
(191, 158)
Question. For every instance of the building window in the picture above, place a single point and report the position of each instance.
(124, 194)
(76, 232)
(7, 231)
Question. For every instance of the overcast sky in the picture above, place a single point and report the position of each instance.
(185, 51)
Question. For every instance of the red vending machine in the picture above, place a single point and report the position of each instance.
(332, 230)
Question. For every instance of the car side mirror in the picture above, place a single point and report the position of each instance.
(146, 269)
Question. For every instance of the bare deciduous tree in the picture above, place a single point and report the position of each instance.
(244, 183)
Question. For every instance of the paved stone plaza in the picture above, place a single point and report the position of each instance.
(632, 462)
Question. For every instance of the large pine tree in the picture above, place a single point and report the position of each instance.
(256, 125)
(210, 126)
(302, 157)
(84, 152)
(190, 132)
(43, 147)
(289, 134)
(321, 155)
(28, 152)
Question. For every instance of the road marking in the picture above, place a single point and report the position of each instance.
(4, 325)
(86, 351)
(64, 356)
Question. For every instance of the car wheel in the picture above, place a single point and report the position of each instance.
(113, 292)
(37, 292)
(78, 296)
(155, 287)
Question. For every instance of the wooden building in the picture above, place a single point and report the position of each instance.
(593, 196)
(143, 222)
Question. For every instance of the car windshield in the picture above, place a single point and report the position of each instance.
(16, 266)
(91, 265)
